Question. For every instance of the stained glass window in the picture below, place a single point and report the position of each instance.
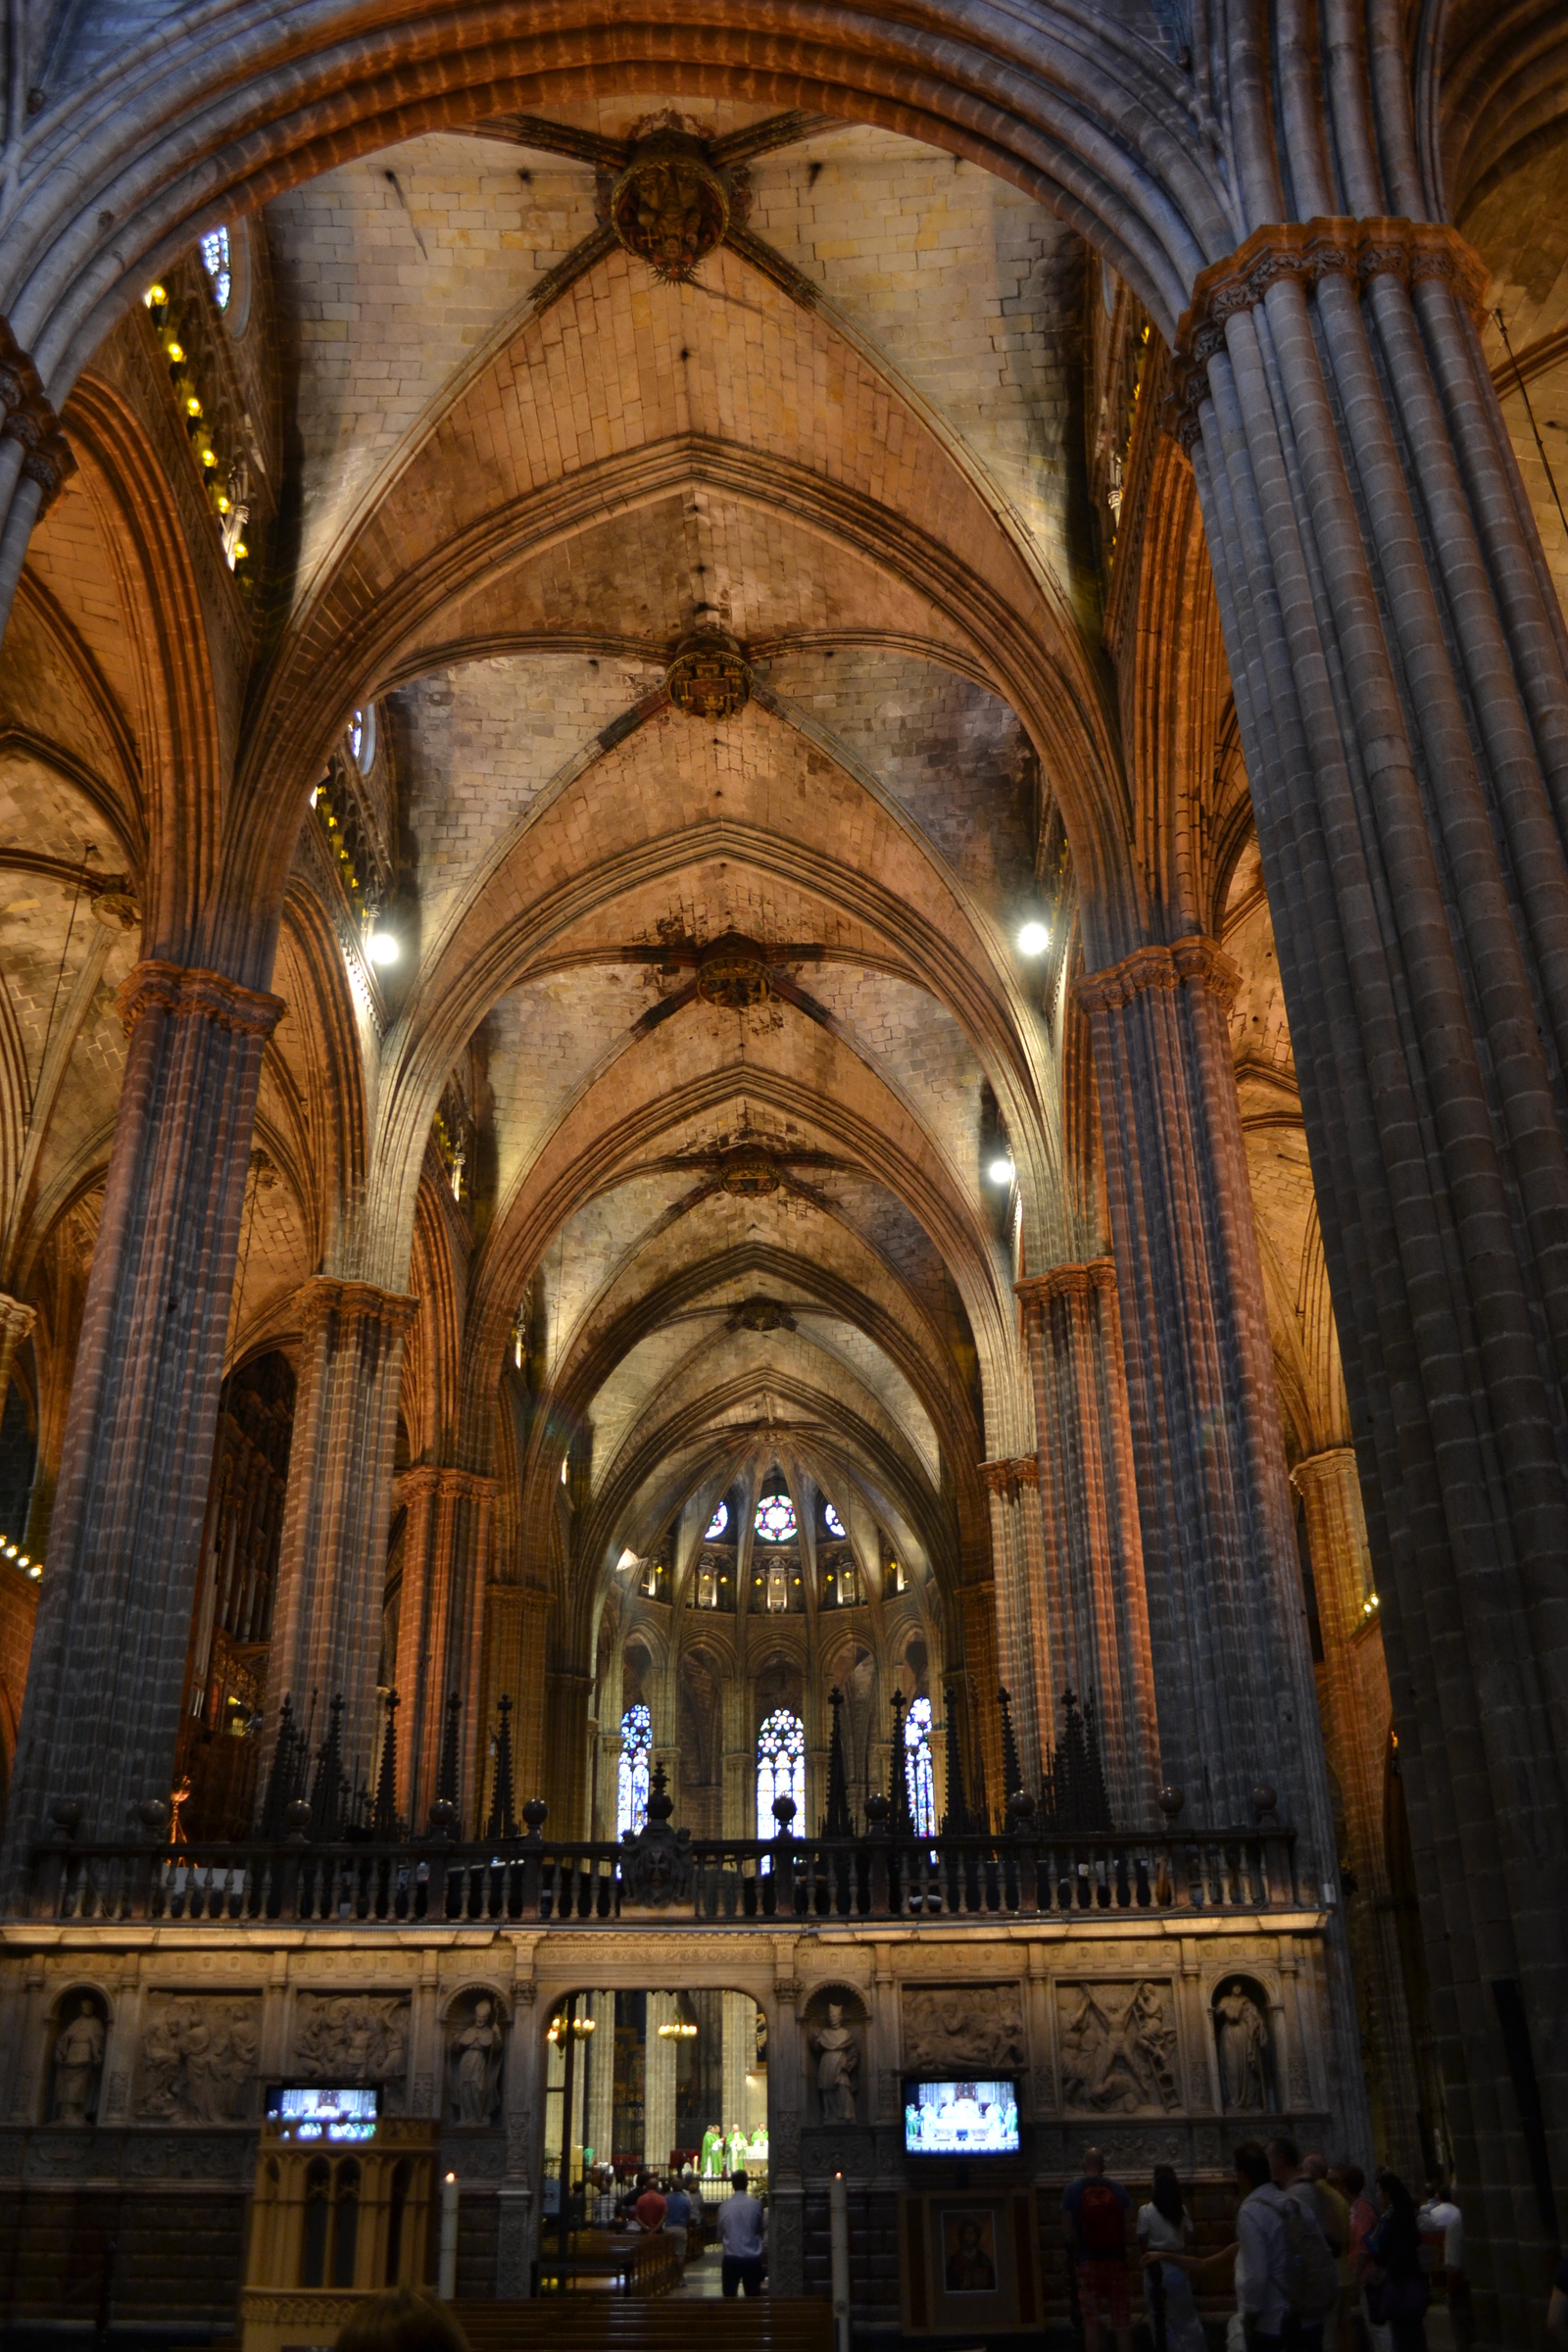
(631, 1789)
(780, 1767)
(775, 1519)
(215, 262)
(917, 1768)
(719, 1522)
(831, 1520)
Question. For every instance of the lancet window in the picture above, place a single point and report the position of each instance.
(917, 1772)
(636, 1755)
(781, 1767)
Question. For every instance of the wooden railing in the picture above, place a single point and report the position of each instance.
(729, 1882)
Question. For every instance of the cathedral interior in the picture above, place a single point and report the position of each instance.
(783, 1125)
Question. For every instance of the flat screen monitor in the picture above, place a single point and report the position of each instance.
(324, 2110)
(961, 2119)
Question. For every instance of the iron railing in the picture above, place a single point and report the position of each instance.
(715, 1882)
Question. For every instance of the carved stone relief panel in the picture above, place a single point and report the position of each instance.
(353, 2037)
(951, 2029)
(1118, 2047)
(198, 2058)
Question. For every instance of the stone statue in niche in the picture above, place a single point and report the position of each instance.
(353, 2038)
(198, 2060)
(1242, 2037)
(962, 2028)
(78, 2060)
(836, 2047)
(473, 2063)
(1118, 2048)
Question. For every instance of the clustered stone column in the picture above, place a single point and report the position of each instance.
(440, 1631)
(1009, 1482)
(102, 1707)
(1092, 1630)
(1356, 1723)
(1400, 669)
(517, 1634)
(1232, 1665)
(332, 1555)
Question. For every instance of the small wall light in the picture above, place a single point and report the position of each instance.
(1034, 939)
(1001, 1171)
(384, 947)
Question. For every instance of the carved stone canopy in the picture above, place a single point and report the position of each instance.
(710, 677)
(671, 206)
(748, 1172)
(732, 971)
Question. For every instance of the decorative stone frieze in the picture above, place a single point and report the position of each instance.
(185, 995)
(1306, 251)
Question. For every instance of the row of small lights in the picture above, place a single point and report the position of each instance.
(13, 1552)
(156, 299)
(1033, 940)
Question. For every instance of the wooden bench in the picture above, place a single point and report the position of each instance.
(608, 2322)
(601, 2261)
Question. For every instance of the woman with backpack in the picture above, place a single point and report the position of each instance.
(1165, 2226)
(1397, 2291)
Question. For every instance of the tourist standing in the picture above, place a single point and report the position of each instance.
(1440, 2218)
(677, 2223)
(1165, 2226)
(1261, 2293)
(742, 2234)
(1096, 2211)
(1398, 2295)
(1334, 2219)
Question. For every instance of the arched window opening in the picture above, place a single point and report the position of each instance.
(719, 1522)
(631, 1785)
(781, 1767)
(216, 262)
(831, 1520)
(917, 1768)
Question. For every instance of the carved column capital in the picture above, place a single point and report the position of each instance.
(27, 416)
(1007, 1475)
(1334, 1464)
(171, 988)
(323, 1294)
(1196, 960)
(16, 1321)
(1306, 251)
(1036, 1292)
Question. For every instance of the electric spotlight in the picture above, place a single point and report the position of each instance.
(383, 948)
(1034, 939)
(1001, 1171)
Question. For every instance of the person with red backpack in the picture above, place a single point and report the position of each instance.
(1095, 2211)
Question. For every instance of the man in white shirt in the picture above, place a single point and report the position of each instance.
(742, 2234)
(1440, 2215)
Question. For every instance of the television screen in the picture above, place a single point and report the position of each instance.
(324, 2110)
(961, 2119)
